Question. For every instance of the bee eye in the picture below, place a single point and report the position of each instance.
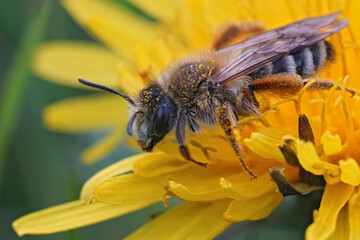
(161, 121)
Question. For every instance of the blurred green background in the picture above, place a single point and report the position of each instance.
(40, 168)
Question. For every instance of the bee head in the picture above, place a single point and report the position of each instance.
(153, 114)
(152, 118)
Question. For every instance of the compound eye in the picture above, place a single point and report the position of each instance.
(161, 121)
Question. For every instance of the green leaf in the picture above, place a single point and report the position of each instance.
(16, 80)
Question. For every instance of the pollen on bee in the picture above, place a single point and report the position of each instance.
(237, 135)
(278, 85)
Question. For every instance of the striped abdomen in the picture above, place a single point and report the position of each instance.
(304, 63)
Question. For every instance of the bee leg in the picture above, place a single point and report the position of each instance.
(321, 83)
(231, 32)
(278, 85)
(180, 139)
(247, 103)
(227, 122)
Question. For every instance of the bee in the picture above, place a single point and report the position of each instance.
(217, 86)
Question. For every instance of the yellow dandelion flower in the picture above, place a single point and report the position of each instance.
(330, 155)
(304, 142)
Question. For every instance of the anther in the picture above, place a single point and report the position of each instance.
(289, 152)
(305, 131)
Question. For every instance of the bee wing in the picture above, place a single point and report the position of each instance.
(256, 51)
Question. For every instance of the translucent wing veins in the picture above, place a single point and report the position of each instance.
(272, 45)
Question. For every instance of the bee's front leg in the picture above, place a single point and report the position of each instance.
(227, 122)
(180, 139)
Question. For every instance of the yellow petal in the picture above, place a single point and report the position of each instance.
(128, 79)
(354, 216)
(190, 220)
(161, 9)
(202, 184)
(158, 57)
(308, 157)
(248, 189)
(181, 191)
(275, 13)
(331, 143)
(252, 209)
(129, 189)
(279, 132)
(342, 226)
(84, 114)
(265, 146)
(118, 27)
(334, 198)
(158, 164)
(350, 171)
(223, 11)
(103, 147)
(117, 168)
(205, 148)
(193, 182)
(69, 216)
(310, 161)
(194, 23)
(64, 62)
(352, 35)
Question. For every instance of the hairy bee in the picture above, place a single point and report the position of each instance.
(217, 86)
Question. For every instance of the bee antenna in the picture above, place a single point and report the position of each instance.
(99, 86)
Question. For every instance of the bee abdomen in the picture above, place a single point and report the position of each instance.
(304, 63)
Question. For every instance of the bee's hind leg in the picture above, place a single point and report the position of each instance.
(286, 85)
(227, 122)
(232, 32)
(278, 85)
(321, 83)
(180, 139)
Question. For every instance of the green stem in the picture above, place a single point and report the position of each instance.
(16, 81)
